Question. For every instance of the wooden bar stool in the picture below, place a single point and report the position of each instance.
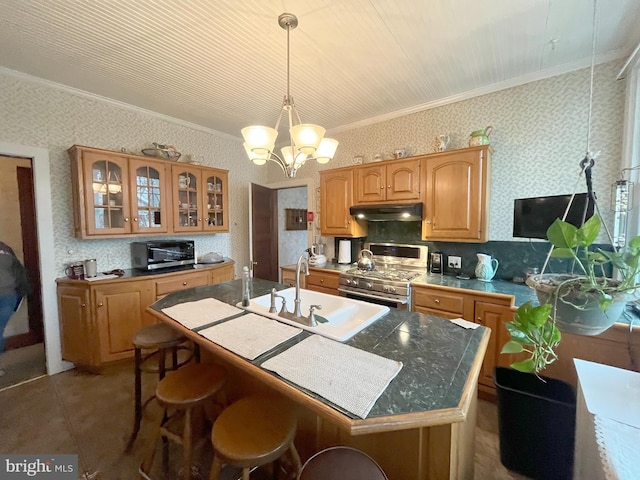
(156, 340)
(253, 432)
(183, 393)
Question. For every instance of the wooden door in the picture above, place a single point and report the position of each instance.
(120, 313)
(370, 184)
(106, 194)
(264, 232)
(403, 180)
(454, 197)
(222, 274)
(150, 196)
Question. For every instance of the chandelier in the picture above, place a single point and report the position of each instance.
(306, 140)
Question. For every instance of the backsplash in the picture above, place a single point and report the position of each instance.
(514, 257)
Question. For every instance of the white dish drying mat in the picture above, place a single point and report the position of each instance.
(350, 378)
(201, 312)
(250, 335)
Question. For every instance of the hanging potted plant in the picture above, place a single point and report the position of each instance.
(585, 303)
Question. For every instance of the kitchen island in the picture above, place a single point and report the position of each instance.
(421, 427)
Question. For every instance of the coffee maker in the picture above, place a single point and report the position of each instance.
(348, 249)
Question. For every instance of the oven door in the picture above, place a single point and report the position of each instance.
(399, 303)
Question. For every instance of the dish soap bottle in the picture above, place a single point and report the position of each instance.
(246, 286)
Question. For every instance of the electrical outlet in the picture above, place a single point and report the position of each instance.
(455, 262)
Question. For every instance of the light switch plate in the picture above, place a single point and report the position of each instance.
(455, 262)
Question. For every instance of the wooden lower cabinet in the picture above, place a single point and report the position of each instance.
(288, 276)
(324, 281)
(99, 319)
(491, 311)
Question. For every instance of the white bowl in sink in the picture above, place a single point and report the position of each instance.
(345, 316)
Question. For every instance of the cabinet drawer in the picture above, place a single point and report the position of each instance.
(446, 302)
(322, 279)
(181, 282)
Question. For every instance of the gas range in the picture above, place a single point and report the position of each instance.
(396, 265)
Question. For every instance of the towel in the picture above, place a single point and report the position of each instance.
(346, 376)
(201, 312)
(250, 335)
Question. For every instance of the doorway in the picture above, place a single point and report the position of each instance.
(266, 226)
(24, 355)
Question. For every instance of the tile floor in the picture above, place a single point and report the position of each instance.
(91, 415)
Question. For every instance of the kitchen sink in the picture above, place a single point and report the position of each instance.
(345, 317)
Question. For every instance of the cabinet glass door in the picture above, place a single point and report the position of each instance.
(189, 216)
(108, 206)
(148, 197)
(215, 202)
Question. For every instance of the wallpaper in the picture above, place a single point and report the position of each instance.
(539, 138)
(41, 116)
(291, 243)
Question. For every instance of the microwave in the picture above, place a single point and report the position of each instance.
(162, 254)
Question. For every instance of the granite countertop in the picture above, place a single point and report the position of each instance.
(521, 292)
(438, 356)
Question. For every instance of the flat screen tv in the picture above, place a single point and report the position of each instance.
(533, 216)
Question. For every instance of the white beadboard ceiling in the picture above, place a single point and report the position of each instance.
(221, 64)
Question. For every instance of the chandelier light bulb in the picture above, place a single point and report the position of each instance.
(306, 139)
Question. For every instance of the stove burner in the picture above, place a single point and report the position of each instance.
(386, 274)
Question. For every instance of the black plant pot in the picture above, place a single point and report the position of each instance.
(536, 421)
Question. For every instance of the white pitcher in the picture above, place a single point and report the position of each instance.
(486, 268)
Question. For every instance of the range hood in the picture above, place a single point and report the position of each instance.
(388, 212)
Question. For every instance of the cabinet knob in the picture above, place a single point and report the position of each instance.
(126, 219)
(100, 304)
(479, 319)
(322, 280)
(428, 222)
(389, 186)
(381, 187)
(83, 305)
(135, 219)
(437, 300)
(184, 283)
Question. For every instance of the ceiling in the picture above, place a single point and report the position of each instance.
(222, 64)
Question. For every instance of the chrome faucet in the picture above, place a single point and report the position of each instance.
(303, 260)
(310, 321)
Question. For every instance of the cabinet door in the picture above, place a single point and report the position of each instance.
(455, 196)
(216, 200)
(106, 194)
(222, 274)
(370, 184)
(494, 317)
(149, 196)
(78, 336)
(187, 198)
(325, 282)
(335, 201)
(403, 180)
(120, 313)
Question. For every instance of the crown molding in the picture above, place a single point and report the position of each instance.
(109, 101)
(495, 87)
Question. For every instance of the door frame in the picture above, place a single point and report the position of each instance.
(293, 183)
(46, 249)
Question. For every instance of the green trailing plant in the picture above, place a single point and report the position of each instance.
(533, 329)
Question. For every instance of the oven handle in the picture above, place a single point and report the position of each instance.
(402, 301)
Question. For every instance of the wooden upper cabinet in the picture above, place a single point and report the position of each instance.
(201, 199)
(456, 195)
(118, 194)
(335, 200)
(388, 182)
(149, 196)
